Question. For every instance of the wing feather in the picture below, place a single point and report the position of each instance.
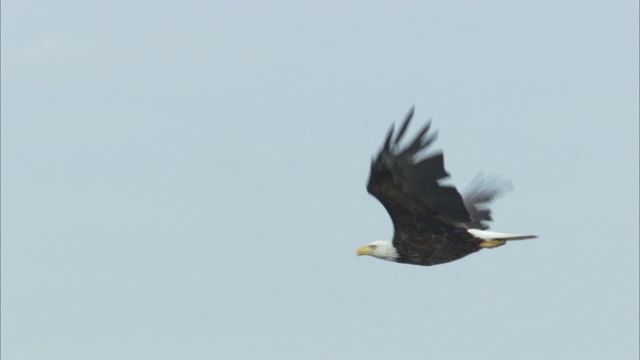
(477, 196)
(405, 125)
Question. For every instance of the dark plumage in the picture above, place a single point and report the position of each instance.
(431, 220)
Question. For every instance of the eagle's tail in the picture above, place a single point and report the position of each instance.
(490, 235)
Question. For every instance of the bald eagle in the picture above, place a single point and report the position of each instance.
(433, 223)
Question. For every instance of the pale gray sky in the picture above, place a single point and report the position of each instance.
(186, 179)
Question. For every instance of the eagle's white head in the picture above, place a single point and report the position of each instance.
(381, 249)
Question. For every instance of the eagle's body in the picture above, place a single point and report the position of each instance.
(433, 223)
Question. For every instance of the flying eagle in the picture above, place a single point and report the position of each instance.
(433, 223)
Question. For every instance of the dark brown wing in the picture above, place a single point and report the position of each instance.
(480, 192)
(425, 213)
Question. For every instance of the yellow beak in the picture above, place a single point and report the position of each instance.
(364, 250)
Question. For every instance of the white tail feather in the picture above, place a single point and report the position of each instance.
(490, 235)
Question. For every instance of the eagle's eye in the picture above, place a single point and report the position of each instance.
(373, 247)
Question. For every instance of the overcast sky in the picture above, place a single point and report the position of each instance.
(186, 179)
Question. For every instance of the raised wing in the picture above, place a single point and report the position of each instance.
(480, 192)
(408, 186)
